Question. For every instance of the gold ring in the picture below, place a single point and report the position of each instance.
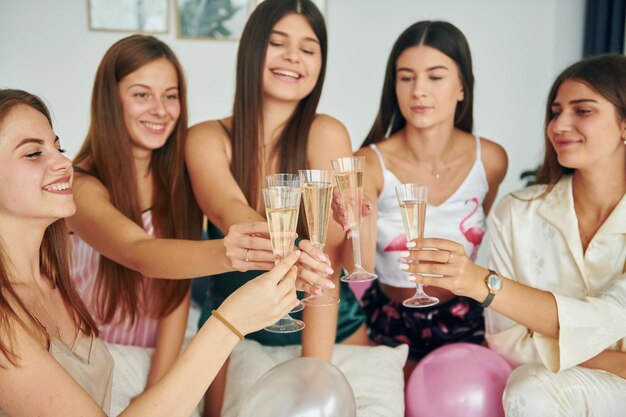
(450, 255)
(247, 258)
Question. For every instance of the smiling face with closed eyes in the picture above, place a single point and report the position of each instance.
(293, 60)
(36, 176)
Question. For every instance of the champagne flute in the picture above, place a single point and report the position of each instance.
(290, 181)
(317, 194)
(413, 200)
(282, 205)
(349, 174)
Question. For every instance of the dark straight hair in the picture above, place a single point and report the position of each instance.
(450, 41)
(247, 121)
(605, 74)
(54, 255)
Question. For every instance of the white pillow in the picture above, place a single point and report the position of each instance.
(130, 374)
(375, 374)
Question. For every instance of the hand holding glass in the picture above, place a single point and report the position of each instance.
(290, 181)
(317, 193)
(282, 205)
(413, 200)
(349, 174)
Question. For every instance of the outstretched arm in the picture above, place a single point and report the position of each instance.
(208, 156)
(40, 386)
(102, 226)
(543, 323)
(528, 306)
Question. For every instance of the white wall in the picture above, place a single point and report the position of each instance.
(518, 47)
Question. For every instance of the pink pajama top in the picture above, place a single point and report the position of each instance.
(84, 271)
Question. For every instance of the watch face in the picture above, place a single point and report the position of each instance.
(494, 283)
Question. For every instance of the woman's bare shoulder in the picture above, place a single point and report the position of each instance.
(210, 130)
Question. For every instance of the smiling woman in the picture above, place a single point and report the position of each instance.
(36, 152)
(151, 104)
(51, 361)
(281, 65)
(136, 215)
(131, 186)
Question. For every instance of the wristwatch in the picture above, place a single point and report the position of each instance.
(494, 285)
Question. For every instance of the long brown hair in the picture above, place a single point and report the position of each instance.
(605, 74)
(248, 104)
(450, 41)
(107, 152)
(54, 255)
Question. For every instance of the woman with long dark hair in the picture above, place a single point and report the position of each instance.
(423, 134)
(274, 128)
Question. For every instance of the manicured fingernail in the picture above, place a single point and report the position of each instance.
(404, 267)
(330, 284)
(322, 257)
(298, 253)
(411, 244)
(329, 271)
(405, 254)
(412, 278)
(346, 226)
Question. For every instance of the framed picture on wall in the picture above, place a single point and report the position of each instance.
(148, 16)
(212, 19)
(217, 19)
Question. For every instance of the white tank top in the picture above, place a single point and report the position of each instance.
(460, 218)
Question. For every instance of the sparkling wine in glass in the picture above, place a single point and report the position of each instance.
(290, 181)
(281, 206)
(413, 200)
(349, 175)
(317, 194)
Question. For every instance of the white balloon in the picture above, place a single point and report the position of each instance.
(301, 387)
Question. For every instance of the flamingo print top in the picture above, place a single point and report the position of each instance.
(84, 272)
(460, 218)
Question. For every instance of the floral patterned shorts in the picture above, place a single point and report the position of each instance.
(389, 323)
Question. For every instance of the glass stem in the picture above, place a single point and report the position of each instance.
(356, 248)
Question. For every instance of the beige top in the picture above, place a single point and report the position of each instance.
(537, 243)
(89, 363)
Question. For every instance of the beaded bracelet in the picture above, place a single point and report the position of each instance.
(227, 324)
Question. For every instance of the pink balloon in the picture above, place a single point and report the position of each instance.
(359, 288)
(460, 379)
